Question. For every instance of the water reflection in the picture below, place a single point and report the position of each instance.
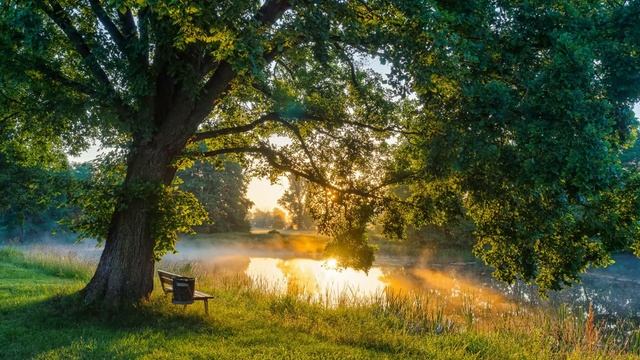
(470, 284)
(321, 280)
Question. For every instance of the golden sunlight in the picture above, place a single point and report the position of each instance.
(331, 263)
(327, 282)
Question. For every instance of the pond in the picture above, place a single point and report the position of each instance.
(454, 275)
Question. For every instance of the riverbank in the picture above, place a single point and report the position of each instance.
(40, 317)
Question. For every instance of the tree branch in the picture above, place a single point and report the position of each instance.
(272, 116)
(143, 25)
(128, 24)
(279, 162)
(303, 144)
(221, 79)
(123, 39)
(57, 14)
(111, 28)
(252, 125)
(393, 129)
(234, 129)
(54, 75)
(271, 11)
(213, 89)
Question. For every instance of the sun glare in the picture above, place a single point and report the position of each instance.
(331, 264)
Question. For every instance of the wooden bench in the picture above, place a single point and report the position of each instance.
(166, 280)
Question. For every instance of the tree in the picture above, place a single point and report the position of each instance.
(163, 82)
(222, 191)
(526, 109)
(261, 219)
(294, 200)
(279, 219)
(31, 197)
(509, 113)
(33, 183)
(275, 219)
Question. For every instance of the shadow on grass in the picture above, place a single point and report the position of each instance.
(61, 327)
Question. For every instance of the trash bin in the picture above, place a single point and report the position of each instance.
(183, 288)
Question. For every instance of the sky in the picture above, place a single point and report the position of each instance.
(264, 194)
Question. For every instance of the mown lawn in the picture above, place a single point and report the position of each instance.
(40, 317)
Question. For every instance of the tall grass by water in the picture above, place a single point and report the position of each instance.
(411, 324)
(562, 329)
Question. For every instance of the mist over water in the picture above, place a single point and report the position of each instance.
(298, 266)
(295, 265)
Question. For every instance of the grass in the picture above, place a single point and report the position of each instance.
(41, 318)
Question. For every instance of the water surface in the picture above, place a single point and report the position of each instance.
(454, 275)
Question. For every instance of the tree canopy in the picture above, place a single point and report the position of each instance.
(275, 219)
(525, 112)
(33, 183)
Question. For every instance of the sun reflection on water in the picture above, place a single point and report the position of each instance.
(325, 281)
(331, 263)
(322, 280)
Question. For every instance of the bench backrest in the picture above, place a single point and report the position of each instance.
(166, 280)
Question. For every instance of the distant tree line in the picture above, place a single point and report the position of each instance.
(32, 200)
(275, 219)
(222, 190)
(39, 198)
(36, 196)
(295, 201)
(33, 179)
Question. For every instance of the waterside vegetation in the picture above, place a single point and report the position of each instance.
(40, 318)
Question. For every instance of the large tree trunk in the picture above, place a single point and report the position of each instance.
(125, 272)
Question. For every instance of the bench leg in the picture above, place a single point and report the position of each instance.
(184, 307)
(206, 306)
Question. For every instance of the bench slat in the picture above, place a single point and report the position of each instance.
(168, 274)
(199, 295)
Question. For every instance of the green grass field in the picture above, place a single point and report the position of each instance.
(41, 318)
